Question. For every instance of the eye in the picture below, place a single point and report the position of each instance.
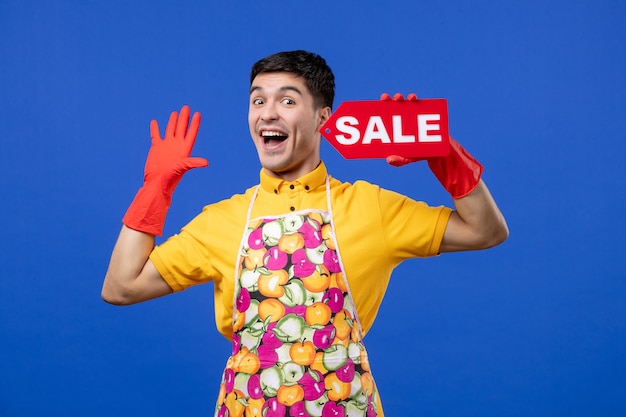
(257, 101)
(288, 101)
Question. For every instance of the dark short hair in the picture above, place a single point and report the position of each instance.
(317, 74)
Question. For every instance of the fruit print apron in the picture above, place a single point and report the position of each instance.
(297, 348)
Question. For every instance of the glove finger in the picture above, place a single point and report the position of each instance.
(171, 125)
(412, 97)
(385, 97)
(190, 138)
(154, 131)
(398, 161)
(183, 122)
(195, 162)
(398, 97)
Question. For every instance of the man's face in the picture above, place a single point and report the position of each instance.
(284, 124)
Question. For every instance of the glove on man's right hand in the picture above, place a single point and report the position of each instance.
(167, 161)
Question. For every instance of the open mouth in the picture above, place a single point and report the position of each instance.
(273, 138)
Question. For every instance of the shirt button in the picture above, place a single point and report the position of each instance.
(292, 186)
(275, 191)
(292, 208)
(306, 187)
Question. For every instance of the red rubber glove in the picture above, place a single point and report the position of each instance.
(167, 161)
(459, 172)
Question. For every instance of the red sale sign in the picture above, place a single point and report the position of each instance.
(377, 129)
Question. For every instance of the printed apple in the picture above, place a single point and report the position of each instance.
(267, 356)
(249, 279)
(269, 338)
(290, 328)
(355, 409)
(283, 353)
(271, 283)
(243, 300)
(337, 390)
(254, 387)
(293, 222)
(297, 410)
(271, 310)
(291, 243)
(229, 380)
(253, 258)
(274, 258)
(271, 379)
(250, 337)
(328, 236)
(323, 338)
(346, 372)
(318, 281)
(316, 255)
(288, 395)
(272, 232)
(255, 407)
(252, 313)
(241, 383)
(314, 408)
(302, 353)
(318, 314)
(331, 260)
(293, 293)
(311, 232)
(272, 408)
(302, 266)
(255, 239)
(343, 323)
(313, 384)
(332, 409)
(299, 310)
(293, 372)
(335, 357)
(334, 299)
(234, 405)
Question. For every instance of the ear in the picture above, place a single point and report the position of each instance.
(324, 115)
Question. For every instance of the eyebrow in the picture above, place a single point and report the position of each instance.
(281, 89)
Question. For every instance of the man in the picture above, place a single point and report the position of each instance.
(300, 263)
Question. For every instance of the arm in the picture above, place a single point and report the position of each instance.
(131, 276)
(477, 222)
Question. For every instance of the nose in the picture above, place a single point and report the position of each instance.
(268, 112)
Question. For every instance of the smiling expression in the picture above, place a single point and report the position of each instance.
(284, 124)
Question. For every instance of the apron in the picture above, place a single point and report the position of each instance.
(297, 340)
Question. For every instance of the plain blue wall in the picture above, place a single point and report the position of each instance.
(536, 92)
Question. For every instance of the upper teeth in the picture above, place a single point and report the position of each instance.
(272, 133)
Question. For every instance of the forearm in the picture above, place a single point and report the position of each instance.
(476, 223)
(131, 277)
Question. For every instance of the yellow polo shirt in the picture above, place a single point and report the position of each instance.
(376, 229)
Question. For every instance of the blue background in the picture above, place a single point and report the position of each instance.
(536, 326)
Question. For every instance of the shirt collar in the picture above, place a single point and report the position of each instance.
(308, 182)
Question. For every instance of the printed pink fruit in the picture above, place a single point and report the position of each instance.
(332, 409)
(229, 380)
(272, 408)
(267, 356)
(243, 300)
(346, 372)
(302, 267)
(323, 338)
(297, 410)
(275, 259)
(331, 261)
(254, 387)
(313, 383)
(255, 239)
(334, 299)
(270, 339)
(311, 233)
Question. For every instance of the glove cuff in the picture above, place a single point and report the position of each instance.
(148, 210)
(459, 172)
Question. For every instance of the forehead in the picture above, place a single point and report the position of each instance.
(279, 82)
